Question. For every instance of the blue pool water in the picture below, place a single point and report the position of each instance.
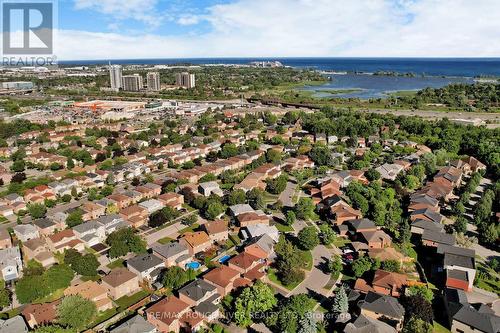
(224, 259)
(193, 265)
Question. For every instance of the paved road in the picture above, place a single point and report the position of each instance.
(286, 197)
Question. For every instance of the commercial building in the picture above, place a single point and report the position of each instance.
(153, 81)
(132, 82)
(115, 77)
(19, 85)
(185, 80)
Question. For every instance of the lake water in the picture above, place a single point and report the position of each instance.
(377, 86)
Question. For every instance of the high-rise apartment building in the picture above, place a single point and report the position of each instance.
(132, 82)
(115, 77)
(153, 81)
(185, 80)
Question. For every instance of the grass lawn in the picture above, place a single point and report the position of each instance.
(126, 301)
(88, 278)
(59, 293)
(103, 316)
(189, 228)
(487, 279)
(271, 274)
(340, 242)
(438, 328)
(115, 264)
(283, 227)
(165, 240)
(10, 313)
(307, 255)
(235, 239)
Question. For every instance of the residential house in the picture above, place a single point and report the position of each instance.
(146, 266)
(91, 233)
(460, 266)
(383, 282)
(466, 317)
(208, 188)
(376, 239)
(389, 171)
(223, 278)
(475, 164)
(419, 226)
(5, 241)
(434, 238)
(47, 226)
(111, 223)
(378, 306)
(171, 199)
(25, 232)
(203, 297)
(135, 215)
(92, 211)
(261, 247)
(252, 218)
(91, 291)
(258, 230)
(244, 262)
(364, 324)
(11, 264)
(152, 205)
(14, 324)
(64, 240)
(40, 314)
(217, 230)
(136, 324)
(171, 314)
(37, 249)
(120, 282)
(173, 254)
(195, 242)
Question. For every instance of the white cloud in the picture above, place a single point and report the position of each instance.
(305, 28)
(140, 10)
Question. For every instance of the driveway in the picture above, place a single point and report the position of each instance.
(316, 279)
(286, 197)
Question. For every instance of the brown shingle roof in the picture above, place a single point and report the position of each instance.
(118, 276)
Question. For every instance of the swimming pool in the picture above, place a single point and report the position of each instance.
(224, 259)
(193, 265)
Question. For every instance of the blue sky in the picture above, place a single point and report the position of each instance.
(91, 29)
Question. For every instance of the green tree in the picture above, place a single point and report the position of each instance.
(327, 235)
(290, 218)
(255, 299)
(18, 166)
(58, 277)
(305, 208)
(86, 265)
(4, 297)
(307, 324)
(123, 241)
(31, 287)
(76, 312)
(74, 218)
(340, 302)
(255, 198)
(421, 290)
(391, 266)
(416, 325)
(308, 238)
(236, 197)
(334, 264)
(361, 265)
(36, 210)
(321, 155)
(214, 209)
(53, 329)
(229, 150)
(175, 277)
